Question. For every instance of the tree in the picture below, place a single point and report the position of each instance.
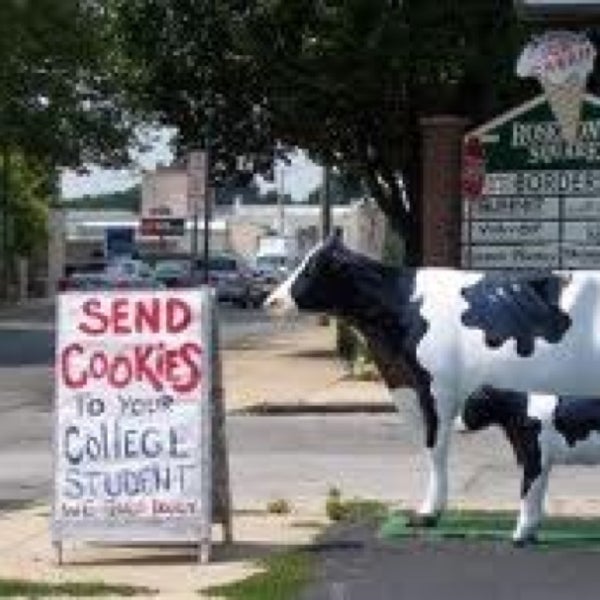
(58, 96)
(347, 81)
(31, 186)
(342, 189)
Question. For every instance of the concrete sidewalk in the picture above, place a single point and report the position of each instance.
(171, 572)
(296, 371)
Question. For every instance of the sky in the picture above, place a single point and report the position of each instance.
(298, 179)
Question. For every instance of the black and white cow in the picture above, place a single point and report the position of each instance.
(456, 331)
(544, 430)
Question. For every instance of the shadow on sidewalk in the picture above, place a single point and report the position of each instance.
(98, 555)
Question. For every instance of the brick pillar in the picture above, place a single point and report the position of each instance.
(442, 138)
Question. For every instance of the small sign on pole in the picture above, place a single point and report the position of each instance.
(133, 450)
(197, 172)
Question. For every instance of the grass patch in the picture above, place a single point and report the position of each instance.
(498, 525)
(353, 509)
(280, 506)
(283, 577)
(10, 588)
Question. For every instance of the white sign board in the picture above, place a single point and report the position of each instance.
(582, 208)
(132, 427)
(512, 257)
(543, 183)
(514, 207)
(580, 256)
(165, 194)
(507, 232)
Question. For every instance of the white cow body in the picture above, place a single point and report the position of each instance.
(544, 430)
(451, 356)
(460, 361)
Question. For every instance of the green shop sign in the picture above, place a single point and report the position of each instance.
(538, 204)
(528, 138)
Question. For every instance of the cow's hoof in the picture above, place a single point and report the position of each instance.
(417, 520)
(523, 542)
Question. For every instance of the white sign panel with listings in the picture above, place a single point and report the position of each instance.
(132, 426)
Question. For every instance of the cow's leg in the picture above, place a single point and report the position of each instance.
(438, 428)
(532, 505)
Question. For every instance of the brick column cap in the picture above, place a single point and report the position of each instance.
(444, 121)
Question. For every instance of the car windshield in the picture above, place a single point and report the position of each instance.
(168, 267)
(219, 263)
(270, 262)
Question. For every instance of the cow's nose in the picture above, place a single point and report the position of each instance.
(273, 303)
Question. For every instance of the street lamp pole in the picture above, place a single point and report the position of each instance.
(326, 203)
(5, 220)
(208, 199)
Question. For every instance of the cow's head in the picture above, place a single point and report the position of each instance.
(318, 284)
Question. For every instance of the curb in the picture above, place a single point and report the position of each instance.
(313, 408)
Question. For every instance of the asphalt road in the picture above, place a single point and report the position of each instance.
(353, 564)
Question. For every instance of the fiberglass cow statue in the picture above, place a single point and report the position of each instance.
(544, 430)
(456, 331)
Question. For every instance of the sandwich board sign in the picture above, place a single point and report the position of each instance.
(539, 207)
(132, 444)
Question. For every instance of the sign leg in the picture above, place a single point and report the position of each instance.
(227, 531)
(58, 548)
(204, 552)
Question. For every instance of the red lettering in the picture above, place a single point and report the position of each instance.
(93, 309)
(178, 315)
(171, 364)
(154, 365)
(147, 316)
(98, 365)
(68, 377)
(120, 363)
(120, 314)
(190, 354)
(143, 370)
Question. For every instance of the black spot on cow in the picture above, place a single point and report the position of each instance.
(522, 307)
(577, 418)
(507, 409)
(378, 301)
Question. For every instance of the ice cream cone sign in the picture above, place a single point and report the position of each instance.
(562, 62)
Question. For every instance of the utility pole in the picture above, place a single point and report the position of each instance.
(5, 220)
(325, 221)
(198, 194)
(204, 192)
(281, 202)
(326, 203)
(207, 214)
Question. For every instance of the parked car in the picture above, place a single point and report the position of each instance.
(80, 281)
(108, 280)
(264, 281)
(231, 277)
(173, 273)
(125, 268)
